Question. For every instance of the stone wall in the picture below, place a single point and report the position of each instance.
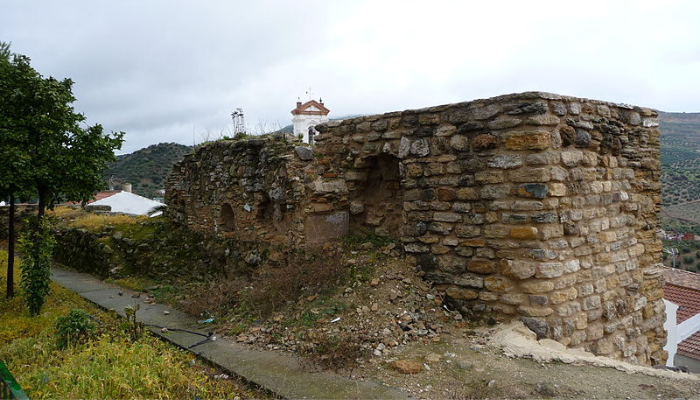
(22, 212)
(532, 206)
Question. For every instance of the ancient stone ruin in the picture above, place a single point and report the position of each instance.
(529, 206)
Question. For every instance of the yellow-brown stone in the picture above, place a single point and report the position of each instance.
(535, 286)
(528, 140)
(523, 232)
(473, 243)
(481, 266)
(460, 293)
(496, 283)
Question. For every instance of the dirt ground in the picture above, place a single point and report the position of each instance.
(469, 368)
(389, 313)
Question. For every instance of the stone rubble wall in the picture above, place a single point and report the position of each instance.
(531, 206)
(22, 212)
(259, 179)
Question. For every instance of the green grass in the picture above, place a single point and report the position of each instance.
(108, 366)
(368, 238)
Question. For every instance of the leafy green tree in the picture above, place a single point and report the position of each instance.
(53, 154)
(14, 159)
(5, 51)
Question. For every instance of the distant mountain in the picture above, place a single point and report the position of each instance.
(146, 169)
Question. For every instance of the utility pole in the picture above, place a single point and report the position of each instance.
(238, 121)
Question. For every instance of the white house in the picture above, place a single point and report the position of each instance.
(307, 116)
(126, 202)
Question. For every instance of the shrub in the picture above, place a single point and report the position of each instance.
(75, 327)
(36, 244)
(687, 260)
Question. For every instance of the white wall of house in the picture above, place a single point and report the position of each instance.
(678, 333)
(688, 327)
(303, 122)
(672, 331)
(128, 203)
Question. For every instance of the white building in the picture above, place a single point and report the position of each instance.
(307, 116)
(126, 202)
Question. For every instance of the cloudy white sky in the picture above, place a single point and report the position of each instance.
(174, 70)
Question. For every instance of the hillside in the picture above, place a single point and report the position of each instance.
(680, 140)
(146, 169)
(680, 157)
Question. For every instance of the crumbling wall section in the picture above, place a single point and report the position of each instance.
(532, 206)
(245, 189)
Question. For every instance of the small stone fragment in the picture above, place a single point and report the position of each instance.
(407, 366)
(304, 153)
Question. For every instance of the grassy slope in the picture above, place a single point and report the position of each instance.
(107, 367)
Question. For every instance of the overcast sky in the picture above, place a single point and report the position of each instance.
(174, 70)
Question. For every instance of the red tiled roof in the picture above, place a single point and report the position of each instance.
(99, 196)
(683, 288)
(682, 278)
(687, 299)
(690, 347)
(104, 195)
(303, 108)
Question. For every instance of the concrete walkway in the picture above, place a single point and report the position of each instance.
(280, 373)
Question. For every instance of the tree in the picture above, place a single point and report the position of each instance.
(5, 51)
(14, 160)
(50, 152)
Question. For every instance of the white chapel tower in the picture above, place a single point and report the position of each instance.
(307, 116)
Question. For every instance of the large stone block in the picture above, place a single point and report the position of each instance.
(528, 140)
(322, 228)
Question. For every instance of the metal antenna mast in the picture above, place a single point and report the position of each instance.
(238, 121)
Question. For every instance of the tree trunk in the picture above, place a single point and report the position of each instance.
(42, 204)
(11, 250)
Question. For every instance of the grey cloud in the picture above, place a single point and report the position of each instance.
(160, 69)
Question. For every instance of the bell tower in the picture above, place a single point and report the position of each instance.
(306, 116)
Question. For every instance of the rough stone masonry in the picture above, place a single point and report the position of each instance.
(528, 206)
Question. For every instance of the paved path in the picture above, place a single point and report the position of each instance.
(281, 373)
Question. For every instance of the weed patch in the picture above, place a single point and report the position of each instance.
(73, 328)
(339, 352)
(301, 274)
(102, 364)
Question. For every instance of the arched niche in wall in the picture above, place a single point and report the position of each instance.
(228, 220)
(377, 203)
